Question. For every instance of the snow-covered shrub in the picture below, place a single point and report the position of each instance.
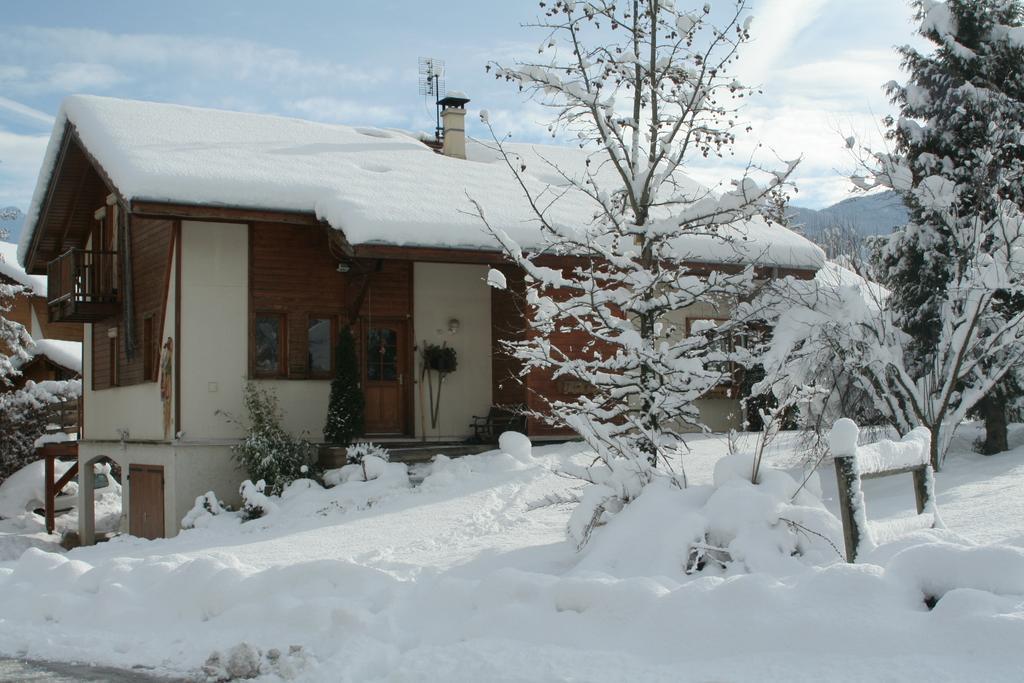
(255, 502)
(24, 417)
(269, 453)
(768, 525)
(358, 452)
(366, 462)
(205, 507)
(731, 526)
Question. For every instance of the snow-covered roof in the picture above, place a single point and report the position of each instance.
(377, 186)
(10, 267)
(67, 354)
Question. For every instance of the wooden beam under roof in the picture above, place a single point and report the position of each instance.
(204, 212)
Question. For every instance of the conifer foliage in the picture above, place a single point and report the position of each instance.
(961, 119)
(950, 327)
(347, 405)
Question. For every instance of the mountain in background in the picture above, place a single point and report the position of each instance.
(11, 220)
(875, 214)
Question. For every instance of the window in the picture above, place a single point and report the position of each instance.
(382, 355)
(149, 349)
(719, 346)
(268, 342)
(320, 346)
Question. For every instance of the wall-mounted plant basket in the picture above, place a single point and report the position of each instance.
(440, 358)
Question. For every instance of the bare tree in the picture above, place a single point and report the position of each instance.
(645, 89)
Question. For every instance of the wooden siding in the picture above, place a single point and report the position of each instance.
(68, 331)
(151, 242)
(292, 271)
(507, 323)
(77, 188)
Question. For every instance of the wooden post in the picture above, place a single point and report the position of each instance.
(847, 480)
(48, 491)
(921, 489)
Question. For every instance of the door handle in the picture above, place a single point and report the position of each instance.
(401, 378)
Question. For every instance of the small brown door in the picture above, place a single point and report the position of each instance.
(146, 496)
(384, 376)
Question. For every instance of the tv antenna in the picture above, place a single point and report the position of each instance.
(432, 84)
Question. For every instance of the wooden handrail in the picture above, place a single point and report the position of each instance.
(83, 276)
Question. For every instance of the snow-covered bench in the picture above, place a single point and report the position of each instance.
(909, 455)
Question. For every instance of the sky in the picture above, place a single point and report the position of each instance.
(821, 63)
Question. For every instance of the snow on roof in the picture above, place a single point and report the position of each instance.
(377, 186)
(9, 266)
(67, 354)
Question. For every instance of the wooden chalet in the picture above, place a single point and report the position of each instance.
(203, 248)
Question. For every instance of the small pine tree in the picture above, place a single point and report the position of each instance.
(346, 405)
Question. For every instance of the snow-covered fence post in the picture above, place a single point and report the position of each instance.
(843, 444)
(911, 454)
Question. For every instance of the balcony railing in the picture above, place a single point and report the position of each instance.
(82, 286)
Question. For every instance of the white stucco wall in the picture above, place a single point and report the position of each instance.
(214, 327)
(198, 469)
(442, 291)
(189, 471)
(304, 404)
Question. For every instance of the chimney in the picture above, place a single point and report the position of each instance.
(453, 117)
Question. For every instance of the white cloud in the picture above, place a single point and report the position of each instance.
(101, 57)
(10, 72)
(776, 24)
(83, 76)
(20, 156)
(26, 111)
(353, 112)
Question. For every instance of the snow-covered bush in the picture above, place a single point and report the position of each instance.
(366, 462)
(778, 526)
(205, 507)
(25, 415)
(269, 453)
(358, 452)
(255, 502)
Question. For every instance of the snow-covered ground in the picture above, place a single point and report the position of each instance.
(457, 579)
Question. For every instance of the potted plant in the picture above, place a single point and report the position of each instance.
(346, 406)
(440, 358)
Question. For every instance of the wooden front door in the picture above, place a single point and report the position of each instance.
(146, 501)
(385, 376)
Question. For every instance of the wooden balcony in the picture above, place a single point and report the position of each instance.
(82, 286)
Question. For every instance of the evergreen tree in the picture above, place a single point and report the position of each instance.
(346, 406)
(962, 120)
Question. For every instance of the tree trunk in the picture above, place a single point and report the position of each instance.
(936, 433)
(993, 410)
